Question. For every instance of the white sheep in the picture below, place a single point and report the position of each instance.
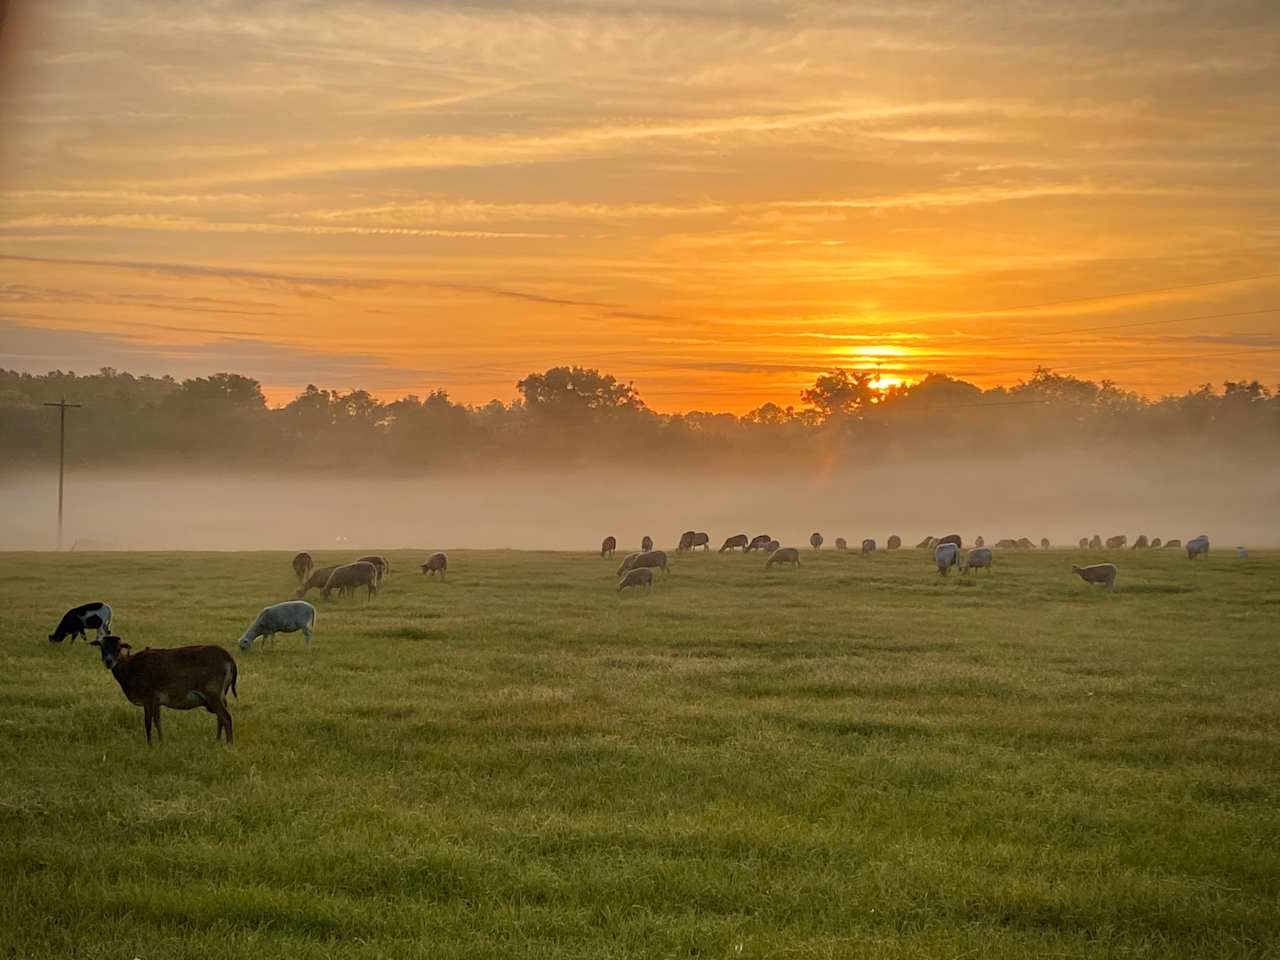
(978, 557)
(946, 556)
(1104, 573)
(287, 617)
(1197, 546)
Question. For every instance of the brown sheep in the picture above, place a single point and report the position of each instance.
(771, 547)
(646, 543)
(302, 567)
(895, 542)
(842, 543)
(638, 577)
(1173, 544)
(949, 538)
(1095, 542)
(1025, 544)
(979, 542)
(607, 546)
(928, 543)
(1117, 542)
(815, 541)
(1006, 544)
(686, 541)
(1104, 573)
(1156, 544)
(1142, 543)
(351, 575)
(436, 562)
(702, 540)
(1044, 543)
(784, 555)
(868, 546)
(1084, 543)
(316, 580)
(758, 542)
(381, 563)
(655, 559)
(737, 542)
(181, 678)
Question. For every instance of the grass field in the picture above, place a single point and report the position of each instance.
(856, 759)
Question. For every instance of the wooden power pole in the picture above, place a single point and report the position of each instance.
(62, 454)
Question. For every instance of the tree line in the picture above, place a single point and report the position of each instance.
(573, 415)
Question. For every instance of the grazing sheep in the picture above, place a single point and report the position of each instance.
(895, 542)
(1198, 546)
(1084, 543)
(979, 542)
(772, 546)
(607, 546)
(784, 555)
(815, 541)
(646, 543)
(946, 556)
(842, 543)
(437, 561)
(1095, 543)
(1044, 543)
(1173, 544)
(758, 542)
(316, 580)
(382, 564)
(686, 541)
(1097, 573)
(702, 540)
(1006, 544)
(639, 577)
(1025, 544)
(928, 543)
(868, 546)
(1142, 543)
(737, 542)
(302, 566)
(284, 617)
(655, 559)
(978, 558)
(949, 538)
(1155, 543)
(181, 679)
(1118, 542)
(351, 575)
(91, 616)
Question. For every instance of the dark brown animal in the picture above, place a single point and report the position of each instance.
(182, 678)
(316, 579)
(949, 538)
(1117, 542)
(302, 566)
(351, 575)
(738, 542)
(1142, 543)
(382, 564)
(607, 546)
(842, 543)
(784, 555)
(928, 543)
(657, 559)
(646, 543)
(637, 577)
(758, 542)
(1095, 542)
(1044, 543)
(437, 561)
(895, 542)
(686, 541)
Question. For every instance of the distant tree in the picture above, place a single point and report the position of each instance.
(576, 393)
(841, 393)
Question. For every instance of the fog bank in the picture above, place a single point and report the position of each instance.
(1062, 497)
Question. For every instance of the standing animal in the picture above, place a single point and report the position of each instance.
(607, 546)
(841, 543)
(1006, 544)
(686, 541)
(381, 563)
(895, 542)
(1095, 543)
(979, 542)
(88, 616)
(287, 617)
(1142, 543)
(784, 555)
(646, 543)
(181, 678)
(1104, 573)
(436, 562)
(1025, 544)
(1173, 544)
(702, 540)
(1155, 543)
(978, 558)
(868, 546)
(946, 556)
(302, 566)
(737, 542)
(1118, 542)
(815, 541)
(1198, 546)
(1242, 553)
(316, 580)
(655, 559)
(758, 542)
(949, 538)
(771, 547)
(1044, 543)
(638, 577)
(351, 575)
(1084, 543)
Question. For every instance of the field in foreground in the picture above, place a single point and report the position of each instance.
(856, 759)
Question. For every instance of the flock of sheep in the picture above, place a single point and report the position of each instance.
(183, 678)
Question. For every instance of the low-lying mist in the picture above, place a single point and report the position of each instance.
(1062, 497)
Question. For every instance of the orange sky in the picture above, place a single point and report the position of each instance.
(715, 200)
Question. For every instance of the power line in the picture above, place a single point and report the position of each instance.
(62, 454)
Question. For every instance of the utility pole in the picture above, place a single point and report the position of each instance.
(62, 454)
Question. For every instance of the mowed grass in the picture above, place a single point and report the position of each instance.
(855, 759)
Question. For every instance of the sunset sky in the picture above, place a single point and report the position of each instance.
(716, 200)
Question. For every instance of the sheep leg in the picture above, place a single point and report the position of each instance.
(306, 635)
(146, 721)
